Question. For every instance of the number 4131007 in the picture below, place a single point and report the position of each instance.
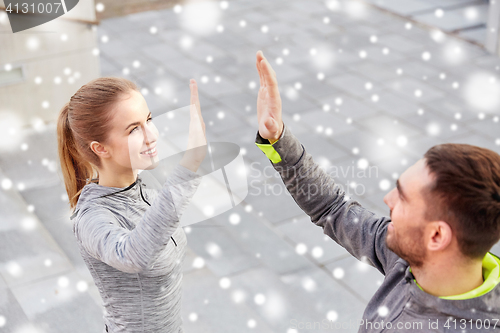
(472, 324)
(40, 8)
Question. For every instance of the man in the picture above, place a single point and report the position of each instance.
(433, 250)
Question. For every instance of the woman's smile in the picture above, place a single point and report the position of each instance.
(150, 152)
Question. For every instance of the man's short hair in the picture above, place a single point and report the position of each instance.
(465, 193)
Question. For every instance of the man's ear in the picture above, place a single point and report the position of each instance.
(441, 235)
(99, 149)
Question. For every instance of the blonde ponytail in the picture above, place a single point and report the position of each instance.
(75, 170)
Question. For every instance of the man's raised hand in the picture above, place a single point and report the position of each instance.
(268, 101)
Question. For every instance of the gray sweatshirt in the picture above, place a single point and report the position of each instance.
(132, 244)
(399, 305)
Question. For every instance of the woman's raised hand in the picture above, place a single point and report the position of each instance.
(268, 101)
(197, 141)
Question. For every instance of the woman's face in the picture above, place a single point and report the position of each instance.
(133, 134)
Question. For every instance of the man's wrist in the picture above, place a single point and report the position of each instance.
(279, 136)
(267, 147)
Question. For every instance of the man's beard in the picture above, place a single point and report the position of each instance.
(411, 248)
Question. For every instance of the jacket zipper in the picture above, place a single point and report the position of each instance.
(140, 189)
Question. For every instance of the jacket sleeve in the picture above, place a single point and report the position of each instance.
(98, 232)
(348, 223)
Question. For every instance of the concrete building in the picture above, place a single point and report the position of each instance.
(42, 67)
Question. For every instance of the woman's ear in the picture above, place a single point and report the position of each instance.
(99, 149)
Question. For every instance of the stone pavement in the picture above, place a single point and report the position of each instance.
(366, 94)
(467, 18)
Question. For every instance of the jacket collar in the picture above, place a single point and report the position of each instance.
(93, 191)
(457, 307)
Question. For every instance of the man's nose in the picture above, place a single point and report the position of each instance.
(387, 199)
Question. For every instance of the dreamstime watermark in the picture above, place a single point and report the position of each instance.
(308, 182)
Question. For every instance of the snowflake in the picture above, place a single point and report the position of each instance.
(332, 315)
(259, 299)
(234, 218)
(383, 311)
(225, 283)
(301, 248)
(251, 323)
(338, 273)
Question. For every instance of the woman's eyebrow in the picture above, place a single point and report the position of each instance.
(137, 122)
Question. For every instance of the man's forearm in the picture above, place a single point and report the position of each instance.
(311, 187)
(355, 228)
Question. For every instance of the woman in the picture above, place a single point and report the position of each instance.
(129, 236)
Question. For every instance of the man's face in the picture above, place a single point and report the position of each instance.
(405, 234)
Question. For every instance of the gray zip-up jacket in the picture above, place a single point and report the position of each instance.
(132, 244)
(399, 305)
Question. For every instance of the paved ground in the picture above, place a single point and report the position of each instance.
(359, 87)
(110, 8)
(467, 18)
